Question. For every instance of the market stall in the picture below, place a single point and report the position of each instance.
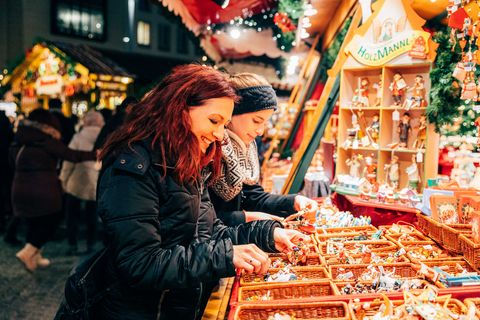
(77, 74)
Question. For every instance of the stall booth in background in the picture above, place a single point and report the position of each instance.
(78, 75)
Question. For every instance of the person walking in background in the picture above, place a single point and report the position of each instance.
(6, 138)
(79, 181)
(115, 121)
(36, 190)
(67, 125)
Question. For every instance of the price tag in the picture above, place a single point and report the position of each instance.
(355, 144)
(419, 157)
(396, 115)
(354, 118)
(457, 2)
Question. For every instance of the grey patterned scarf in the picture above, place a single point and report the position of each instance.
(239, 165)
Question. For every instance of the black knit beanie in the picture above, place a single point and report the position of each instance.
(254, 99)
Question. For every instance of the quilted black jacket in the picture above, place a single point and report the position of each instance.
(165, 240)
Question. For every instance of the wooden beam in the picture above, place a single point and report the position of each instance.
(341, 13)
(322, 102)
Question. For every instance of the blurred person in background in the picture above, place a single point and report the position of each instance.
(79, 181)
(6, 174)
(67, 125)
(36, 190)
(115, 121)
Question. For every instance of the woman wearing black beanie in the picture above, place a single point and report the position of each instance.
(237, 195)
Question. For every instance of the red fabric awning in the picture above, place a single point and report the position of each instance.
(204, 11)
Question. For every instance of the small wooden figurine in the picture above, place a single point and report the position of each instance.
(370, 170)
(374, 128)
(354, 165)
(419, 142)
(413, 175)
(379, 87)
(360, 99)
(398, 87)
(404, 130)
(392, 171)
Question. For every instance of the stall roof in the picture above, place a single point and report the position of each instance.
(90, 58)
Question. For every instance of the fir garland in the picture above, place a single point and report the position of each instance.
(449, 114)
(285, 40)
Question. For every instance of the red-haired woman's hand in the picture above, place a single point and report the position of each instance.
(250, 258)
(287, 239)
(255, 215)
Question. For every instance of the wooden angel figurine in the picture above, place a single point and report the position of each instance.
(392, 170)
(419, 142)
(361, 94)
(397, 87)
(404, 130)
(354, 164)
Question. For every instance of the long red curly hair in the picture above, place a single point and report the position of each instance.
(163, 115)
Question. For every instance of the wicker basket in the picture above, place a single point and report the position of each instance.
(471, 250)
(374, 245)
(300, 310)
(313, 259)
(402, 270)
(450, 234)
(332, 260)
(347, 229)
(449, 267)
(430, 227)
(443, 255)
(340, 285)
(406, 228)
(356, 312)
(414, 236)
(346, 236)
(283, 291)
(307, 273)
(475, 302)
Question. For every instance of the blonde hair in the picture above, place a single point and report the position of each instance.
(245, 80)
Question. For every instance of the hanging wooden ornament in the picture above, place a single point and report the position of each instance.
(459, 72)
(457, 18)
(469, 91)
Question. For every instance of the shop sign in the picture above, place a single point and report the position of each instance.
(377, 54)
(49, 85)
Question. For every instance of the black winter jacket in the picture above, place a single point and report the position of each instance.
(165, 240)
(251, 198)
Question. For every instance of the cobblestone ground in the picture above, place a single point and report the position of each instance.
(33, 296)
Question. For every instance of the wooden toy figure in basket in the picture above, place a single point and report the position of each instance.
(360, 99)
(413, 175)
(397, 87)
(404, 130)
(354, 164)
(419, 142)
(392, 171)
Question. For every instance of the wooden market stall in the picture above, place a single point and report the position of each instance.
(77, 74)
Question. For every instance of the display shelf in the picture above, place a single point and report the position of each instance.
(388, 124)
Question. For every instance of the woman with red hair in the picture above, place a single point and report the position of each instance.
(164, 241)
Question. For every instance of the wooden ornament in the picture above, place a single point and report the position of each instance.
(457, 19)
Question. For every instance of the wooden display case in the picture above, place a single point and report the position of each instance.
(388, 134)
